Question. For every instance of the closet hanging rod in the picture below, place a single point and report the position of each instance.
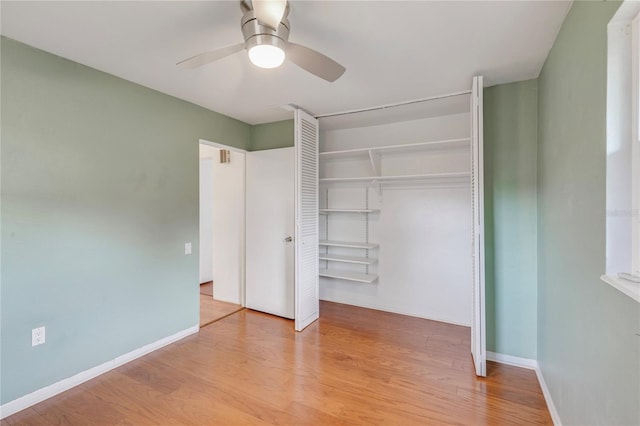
(415, 101)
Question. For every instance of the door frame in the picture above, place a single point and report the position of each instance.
(478, 320)
(243, 256)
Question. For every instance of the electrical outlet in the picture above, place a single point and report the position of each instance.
(187, 248)
(37, 336)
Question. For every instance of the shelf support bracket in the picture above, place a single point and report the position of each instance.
(375, 158)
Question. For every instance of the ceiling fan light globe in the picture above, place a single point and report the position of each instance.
(266, 56)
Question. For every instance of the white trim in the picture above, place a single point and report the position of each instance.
(222, 146)
(243, 259)
(530, 364)
(635, 143)
(623, 146)
(478, 318)
(627, 287)
(555, 416)
(40, 395)
(516, 361)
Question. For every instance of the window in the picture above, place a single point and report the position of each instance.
(635, 141)
(623, 151)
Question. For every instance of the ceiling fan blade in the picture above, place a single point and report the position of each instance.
(314, 62)
(207, 57)
(269, 12)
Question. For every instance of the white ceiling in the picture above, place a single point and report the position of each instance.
(393, 50)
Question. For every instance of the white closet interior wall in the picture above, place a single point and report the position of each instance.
(423, 229)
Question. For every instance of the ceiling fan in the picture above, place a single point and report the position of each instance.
(266, 38)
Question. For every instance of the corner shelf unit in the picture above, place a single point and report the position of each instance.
(365, 261)
(350, 259)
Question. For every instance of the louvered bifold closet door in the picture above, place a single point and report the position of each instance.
(478, 328)
(307, 293)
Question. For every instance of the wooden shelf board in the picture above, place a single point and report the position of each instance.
(347, 179)
(382, 179)
(348, 244)
(349, 210)
(348, 259)
(449, 143)
(349, 276)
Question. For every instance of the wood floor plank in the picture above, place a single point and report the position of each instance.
(353, 366)
(212, 310)
(25, 417)
(207, 288)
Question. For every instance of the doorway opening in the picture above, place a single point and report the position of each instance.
(222, 231)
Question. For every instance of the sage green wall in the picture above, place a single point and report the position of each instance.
(510, 144)
(587, 344)
(279, 134)
(99, 186)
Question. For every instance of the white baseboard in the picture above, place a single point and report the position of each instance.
(40, 395)
(531, 364)
(555, 416)
(516, 361)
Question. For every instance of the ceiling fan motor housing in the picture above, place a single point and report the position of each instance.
(255, 33)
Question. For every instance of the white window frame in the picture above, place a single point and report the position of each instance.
(623, 151)
(635, 142)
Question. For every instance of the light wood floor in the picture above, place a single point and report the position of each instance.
(353, 366)
(212, 310)
(207, 288)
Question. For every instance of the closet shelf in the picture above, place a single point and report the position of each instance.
(437, 144)
(348, 259)
(385, 179)
(325, 211)
(349, 276)
(348, 244)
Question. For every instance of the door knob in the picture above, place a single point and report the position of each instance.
(288, 239)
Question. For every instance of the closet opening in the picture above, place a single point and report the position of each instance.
(222, 230)
(400, 210)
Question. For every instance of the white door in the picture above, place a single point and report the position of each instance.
(306, 283)
(270, 230)
(478, 329)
